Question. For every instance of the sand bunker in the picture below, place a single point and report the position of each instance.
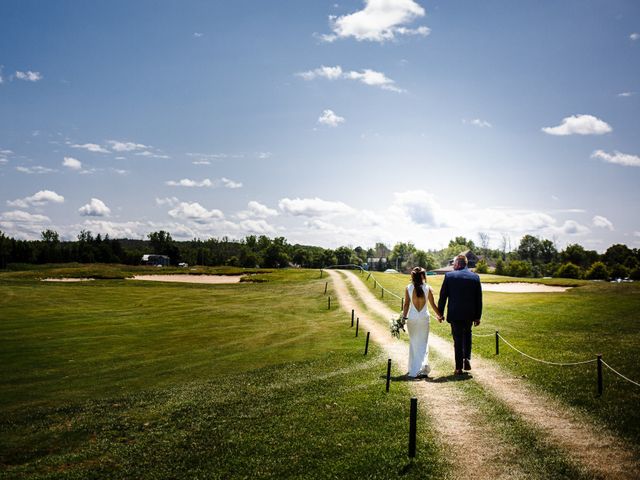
(211, 279)
(522, 287)
(67, 279)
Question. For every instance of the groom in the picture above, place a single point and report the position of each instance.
(462, 288)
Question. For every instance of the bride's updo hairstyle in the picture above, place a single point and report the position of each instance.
(416, 279)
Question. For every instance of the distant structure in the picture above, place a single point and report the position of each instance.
(155, 260)
(472, 261)
(376, 263)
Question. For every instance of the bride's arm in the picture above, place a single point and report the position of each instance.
(405, 305)
(432, 302)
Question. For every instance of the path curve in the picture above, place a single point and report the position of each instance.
(589, 445)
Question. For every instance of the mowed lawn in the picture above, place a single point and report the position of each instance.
(129, 379)
(592, 318)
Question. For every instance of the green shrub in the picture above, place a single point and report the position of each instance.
(518, 268)
(598, 271)
(482, 267)
(568, 270)
(499, 270)
(635, 274)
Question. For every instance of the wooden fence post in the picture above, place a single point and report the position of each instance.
(600, 385)
(497, 343)
(352, 313)
(413, 420)
(357, 325)
(388, 374)
(366, 344)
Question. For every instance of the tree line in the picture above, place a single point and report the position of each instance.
(533, 257)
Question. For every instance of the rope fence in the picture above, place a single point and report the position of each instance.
(498, 336)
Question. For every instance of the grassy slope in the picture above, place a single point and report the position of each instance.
(563, 327)
(125, 379)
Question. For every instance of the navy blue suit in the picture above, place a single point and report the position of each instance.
(463, 291)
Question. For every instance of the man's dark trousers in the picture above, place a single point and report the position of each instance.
(461, 332)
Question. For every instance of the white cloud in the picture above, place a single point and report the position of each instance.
(330, 73)
(198, 34)
(626, 94)
(617, 158)
(187, 182)
(72, 163)
(18, 216)
(258, 227)
(602, 222)
(118, 146)
(579, 125)
(264, 155)
(419, 207)
(201, 162)
(35, 170)
(91, 147)
(571, 227)
(95, 208)
(147, 153)
(228, 183)
(329, 118)
(366, 76)
(171, 201)
(634, 36)
(29, 76)
(380, 20)
(313, 207)
(37, 199)
(257, 210)
(476, 122)
(195, 212)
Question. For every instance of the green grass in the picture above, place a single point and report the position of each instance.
(121, 379)
(597, 317)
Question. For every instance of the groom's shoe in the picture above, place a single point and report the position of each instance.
(458, 372)
(467, 364)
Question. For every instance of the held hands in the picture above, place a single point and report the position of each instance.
(476, 323)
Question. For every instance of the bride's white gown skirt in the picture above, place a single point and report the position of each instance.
(418, 327)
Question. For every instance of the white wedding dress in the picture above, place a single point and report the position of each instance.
(418, 327)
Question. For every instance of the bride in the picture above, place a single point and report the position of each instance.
(416, 314)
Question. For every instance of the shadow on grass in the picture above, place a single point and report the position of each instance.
(447, 378)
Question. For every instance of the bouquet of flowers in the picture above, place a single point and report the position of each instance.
(397, 324)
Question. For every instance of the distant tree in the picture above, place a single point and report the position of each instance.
(5, 250)
(519, 268)
(568, 270)
(574, 254)
(619, 271)
(597, 271)
(424, 260)
(500, 269)
(400, 254)
(635, 274)
(617, 254)
(548, 251)
(344, 255)
(485, 239)
(163, 244)
(529, 249)
(462, 241)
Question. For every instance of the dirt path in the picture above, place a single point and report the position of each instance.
(458, 423)
(588, 445)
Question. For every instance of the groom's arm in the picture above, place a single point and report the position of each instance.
(478, 303)
(442, 298)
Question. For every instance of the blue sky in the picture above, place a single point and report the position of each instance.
(329, 123)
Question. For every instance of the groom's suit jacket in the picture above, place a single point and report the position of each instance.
(463, 291)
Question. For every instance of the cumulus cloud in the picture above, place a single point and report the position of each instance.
(617, 158)
(330, 119)
(37, 199)
(378, 21)
(602, 222)
(187, 182)
(198, 34)
(118, 146)
(35, 170)
(19, 216)
(366, 76)
(626, 94)
(171, 201)
(72, 163)
(313, 207)
(257, 210)
(29, 76)
(201, 162)
(258, 227)
(208, 183)
(571, 227)
(228, 183)
(90, 147)
(195, 212)
(95, 208)
(579, 125)
(634, 36)
(419, 207)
